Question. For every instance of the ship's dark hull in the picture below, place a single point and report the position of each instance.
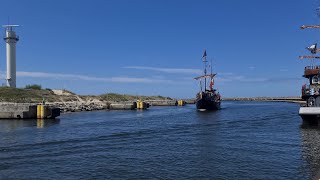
(311, 119)
(208, 104)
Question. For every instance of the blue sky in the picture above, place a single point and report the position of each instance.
(145, 47)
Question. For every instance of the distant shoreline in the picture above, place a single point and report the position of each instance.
(269, 99)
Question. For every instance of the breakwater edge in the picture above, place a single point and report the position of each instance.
(294, 99)
(68, 101)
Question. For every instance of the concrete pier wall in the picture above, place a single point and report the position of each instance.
(163, 102)
(272, 99)
(123, 106)
(190, 101)
(7, 107)
(128, 105)
(25, 111)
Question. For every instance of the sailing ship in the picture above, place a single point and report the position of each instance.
(207, 99)
(310, 92)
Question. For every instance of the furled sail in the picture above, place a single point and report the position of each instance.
(309, 57)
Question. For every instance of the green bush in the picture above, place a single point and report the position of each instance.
(33, 86)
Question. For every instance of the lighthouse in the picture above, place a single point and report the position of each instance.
(11, 39)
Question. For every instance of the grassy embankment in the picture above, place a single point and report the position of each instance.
(24, 95)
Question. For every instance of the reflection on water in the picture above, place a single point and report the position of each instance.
(43, 123)
(310, 136)
(8, 125)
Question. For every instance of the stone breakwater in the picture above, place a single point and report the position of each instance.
(78, 106)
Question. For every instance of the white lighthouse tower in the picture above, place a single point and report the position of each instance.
(11, 39)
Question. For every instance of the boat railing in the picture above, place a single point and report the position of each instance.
(312, 67)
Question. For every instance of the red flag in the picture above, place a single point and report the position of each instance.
(211, 83)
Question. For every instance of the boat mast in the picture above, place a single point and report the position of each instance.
(204, 57)
(211, 66)
(313, 48)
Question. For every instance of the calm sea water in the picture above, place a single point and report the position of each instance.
(245, 140)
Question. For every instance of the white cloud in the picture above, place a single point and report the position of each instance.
(167, 70)
(222, 77)
(90, 78)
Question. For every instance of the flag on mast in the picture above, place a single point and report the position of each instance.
(204, 57)
(211, 84)
(313, 48)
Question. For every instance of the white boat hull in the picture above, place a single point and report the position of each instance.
(309, 111)
(310, 114)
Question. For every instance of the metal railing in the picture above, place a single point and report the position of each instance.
(312, 67)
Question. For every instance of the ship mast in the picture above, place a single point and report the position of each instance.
(204, 57)
(205, 76)
(211, 66)
(313, 48)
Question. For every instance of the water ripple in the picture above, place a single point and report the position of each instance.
(245, 140)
